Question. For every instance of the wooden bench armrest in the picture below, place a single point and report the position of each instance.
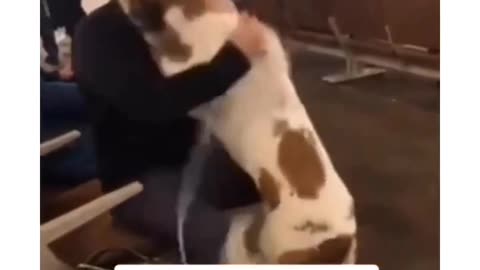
(59, 142)
(58, 227)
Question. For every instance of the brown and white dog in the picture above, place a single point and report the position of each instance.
(307, 216)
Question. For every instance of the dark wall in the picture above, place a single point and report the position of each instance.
(415, 22)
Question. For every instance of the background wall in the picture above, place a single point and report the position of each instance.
(415, 22)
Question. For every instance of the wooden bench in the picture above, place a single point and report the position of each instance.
(66, 223)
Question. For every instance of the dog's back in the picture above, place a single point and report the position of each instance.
(308, 214)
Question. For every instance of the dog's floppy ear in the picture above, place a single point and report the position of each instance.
(147, 15)
(172, 47)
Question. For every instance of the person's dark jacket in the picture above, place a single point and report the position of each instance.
(65, 13)
(140, 116)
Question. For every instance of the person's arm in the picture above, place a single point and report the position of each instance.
(126, 76)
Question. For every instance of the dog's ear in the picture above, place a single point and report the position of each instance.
(172, 47)
(147, 15)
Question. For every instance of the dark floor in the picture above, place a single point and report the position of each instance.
(383, 136)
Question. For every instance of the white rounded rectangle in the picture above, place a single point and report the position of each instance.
(246, 267)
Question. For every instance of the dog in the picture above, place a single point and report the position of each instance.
(307, 213)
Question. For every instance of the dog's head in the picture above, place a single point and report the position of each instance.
(184, 32)
(149, 15)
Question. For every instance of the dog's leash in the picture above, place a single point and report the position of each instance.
(191, 177)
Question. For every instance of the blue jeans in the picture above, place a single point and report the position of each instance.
(62, 109)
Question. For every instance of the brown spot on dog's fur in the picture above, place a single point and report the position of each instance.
(312, 227)
(147, 15)
(279, 127)
(252, 234)
(173, 48)
(268, 189)
(301, 164)
(191, 8)
(331, 251)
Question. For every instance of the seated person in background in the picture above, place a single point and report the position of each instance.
(142, 130)
(62, 107)
(55, 14)
(48, 47)
(64, 13)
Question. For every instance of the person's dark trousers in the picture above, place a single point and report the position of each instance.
(153, 213)
(62, 110)
(47, 34)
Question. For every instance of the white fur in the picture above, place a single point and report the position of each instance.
(243, 121)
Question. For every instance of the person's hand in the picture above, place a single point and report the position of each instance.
(249, 36)
(66, 73)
